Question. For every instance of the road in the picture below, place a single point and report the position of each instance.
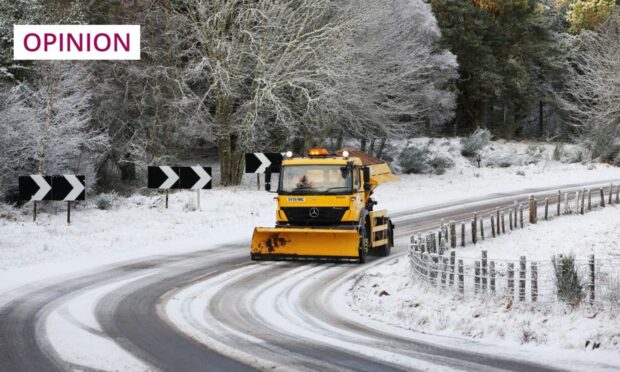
(217, 310)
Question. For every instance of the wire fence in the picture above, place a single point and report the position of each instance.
(434, 259)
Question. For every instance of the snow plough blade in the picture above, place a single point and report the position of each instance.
(282, 243)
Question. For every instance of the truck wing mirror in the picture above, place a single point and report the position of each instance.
(366, 175)
(367, 187)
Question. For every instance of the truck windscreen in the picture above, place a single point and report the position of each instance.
(315, 179)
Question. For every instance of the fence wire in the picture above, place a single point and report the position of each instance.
(434, 261)
(521, 280)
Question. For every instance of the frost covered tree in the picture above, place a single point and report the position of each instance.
(310, 69)
(46, 125)
(594, 90)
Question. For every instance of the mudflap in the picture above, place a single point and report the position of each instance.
(302, 243)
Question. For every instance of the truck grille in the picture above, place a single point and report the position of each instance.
(314, 216)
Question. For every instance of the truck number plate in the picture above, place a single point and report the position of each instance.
(296, 200)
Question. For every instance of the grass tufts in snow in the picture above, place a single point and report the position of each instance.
(568, 284)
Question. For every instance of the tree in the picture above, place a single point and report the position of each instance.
(47, 125)
(506, 53)
(309, 69)
(588, 14)
(594, 90)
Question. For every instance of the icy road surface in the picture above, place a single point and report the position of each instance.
(217, 310)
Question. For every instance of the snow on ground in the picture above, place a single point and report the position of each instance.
(139, 226)
(388, 293)
(533, 168)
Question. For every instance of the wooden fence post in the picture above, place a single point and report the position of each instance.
(534, 280)
(522, 268)
(515, 207)
(462, 234)
(611, 193)
(566, 204)
(461, 278)
(510, 219)
(452, 234)
(482, 228)
(521, 215)
(452, 267)
(492, 276)
(477, 277)
(497, 220)
(484, 271)
(503, 223)
(532, 210)
(557, 213)
(546, 209)
(492, 226)
(511, 279)
(602, 198)
(618, 194)
(583, 200)
(589, 200)
(592, 277)
(473, 231)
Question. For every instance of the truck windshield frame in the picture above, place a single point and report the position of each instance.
(315, 179)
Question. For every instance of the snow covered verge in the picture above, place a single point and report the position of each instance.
(505, 167)
(388, 293)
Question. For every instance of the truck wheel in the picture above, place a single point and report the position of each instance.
(363, 245)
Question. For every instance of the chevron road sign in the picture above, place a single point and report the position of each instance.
(192, 178)
(258, 162)
(67, 187)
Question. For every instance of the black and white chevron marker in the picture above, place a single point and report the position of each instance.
(68, 187)
(258, 162)
(166, 177)
(61, 188)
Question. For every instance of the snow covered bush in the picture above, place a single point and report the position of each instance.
(568, 284)
(415, 160)
(106, 201)
(440, 164)
(499, 159)
(573, 155)
(475, 142)
(421, 160)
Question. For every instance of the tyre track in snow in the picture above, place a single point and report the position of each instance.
(287, 323)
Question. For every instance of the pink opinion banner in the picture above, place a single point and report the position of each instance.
(76, 42)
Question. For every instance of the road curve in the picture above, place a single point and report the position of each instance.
(216, 310)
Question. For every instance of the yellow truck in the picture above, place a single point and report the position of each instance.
(325, 209)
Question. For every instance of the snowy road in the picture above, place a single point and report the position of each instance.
(217, 310)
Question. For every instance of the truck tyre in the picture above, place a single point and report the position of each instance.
(363, 245)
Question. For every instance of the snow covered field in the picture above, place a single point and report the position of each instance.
(388, 293)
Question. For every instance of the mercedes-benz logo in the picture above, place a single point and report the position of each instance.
(314, 212)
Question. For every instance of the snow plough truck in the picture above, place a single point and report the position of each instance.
(325, 209)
